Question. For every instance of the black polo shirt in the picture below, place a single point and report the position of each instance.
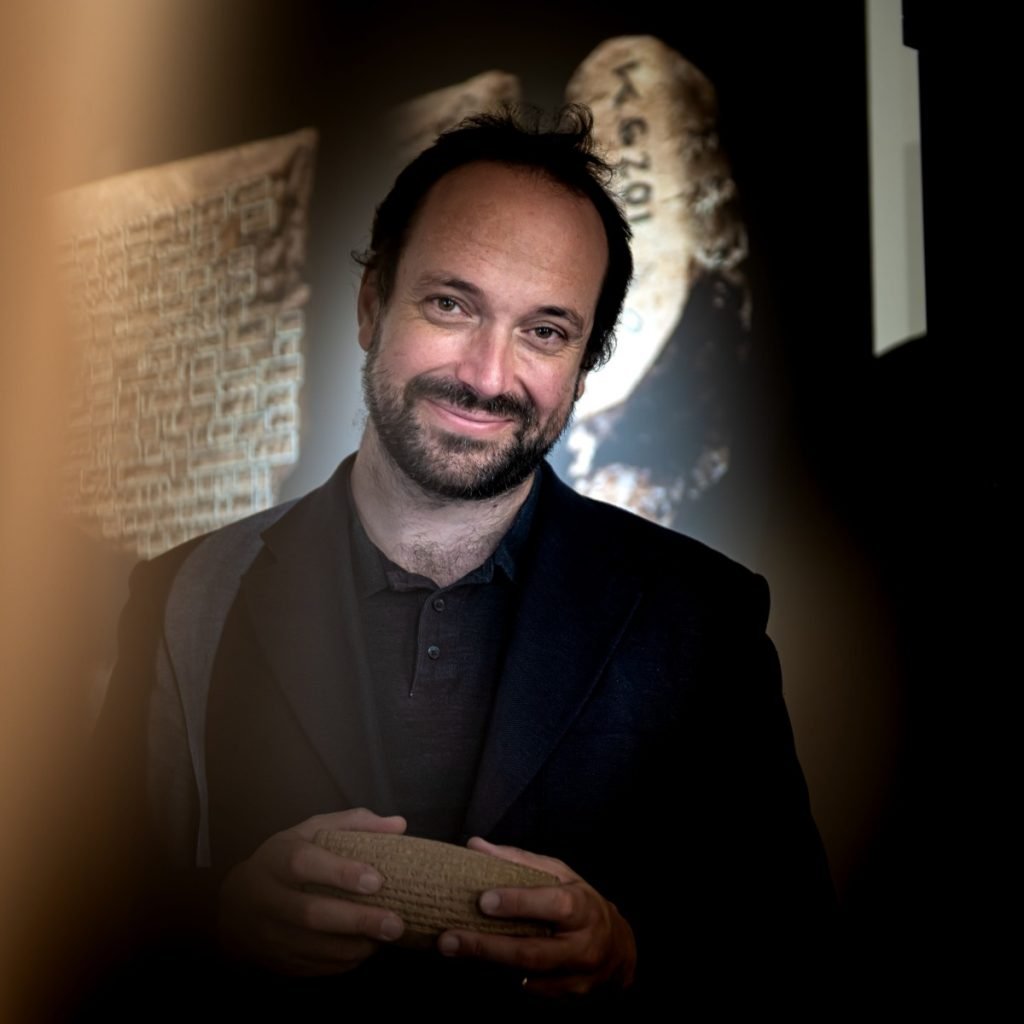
(436, 655)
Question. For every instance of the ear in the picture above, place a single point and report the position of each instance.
(581, 381)
(367, 308)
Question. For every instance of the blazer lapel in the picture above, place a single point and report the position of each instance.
(573, 612)
(301, 598)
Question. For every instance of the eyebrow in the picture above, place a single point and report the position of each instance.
(563, 313)
(444, 280)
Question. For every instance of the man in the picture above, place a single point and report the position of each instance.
(445, 639)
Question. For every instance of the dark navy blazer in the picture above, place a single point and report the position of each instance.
(639, 731)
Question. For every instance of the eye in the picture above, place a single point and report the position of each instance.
(446, 304)
(547, 333)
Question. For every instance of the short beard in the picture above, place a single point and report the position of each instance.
(434, 463)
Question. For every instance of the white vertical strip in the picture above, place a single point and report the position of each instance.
(897, 225)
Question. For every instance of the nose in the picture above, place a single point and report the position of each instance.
(486, 361)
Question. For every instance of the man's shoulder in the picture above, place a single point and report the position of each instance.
(651, 550)
(222, 550)
(221, 556)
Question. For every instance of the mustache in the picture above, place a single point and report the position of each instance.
(454, 392)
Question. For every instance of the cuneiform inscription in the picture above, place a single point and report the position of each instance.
(189, 319)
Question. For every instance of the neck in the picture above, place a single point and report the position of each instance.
(440, 538)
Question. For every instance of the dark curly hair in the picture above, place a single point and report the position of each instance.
(561, 149)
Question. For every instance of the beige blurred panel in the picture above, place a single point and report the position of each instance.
(185, 293)
(39, 712)
(415, 125)
(84, 86)
(654, 115)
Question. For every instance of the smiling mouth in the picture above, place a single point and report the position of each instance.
(472, 420)
(453, 393)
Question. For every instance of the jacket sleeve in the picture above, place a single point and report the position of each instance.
(743, 906)
(142, 723)
(146, 782)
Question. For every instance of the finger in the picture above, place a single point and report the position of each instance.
(564, 906)
(555, 867)
(526, 955)
(331, 915)
(299, 863)
(357, 819)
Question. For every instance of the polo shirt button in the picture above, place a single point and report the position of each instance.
(434, 652)
(438, 604)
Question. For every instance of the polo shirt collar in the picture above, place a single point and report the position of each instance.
(375, 572)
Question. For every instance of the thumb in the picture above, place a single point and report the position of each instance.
(551, 865)
(357, 819)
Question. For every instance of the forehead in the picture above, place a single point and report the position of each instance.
(503, 222)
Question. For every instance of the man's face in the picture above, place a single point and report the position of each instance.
(473, 366)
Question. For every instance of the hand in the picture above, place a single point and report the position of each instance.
(265, 916)
(592, 946)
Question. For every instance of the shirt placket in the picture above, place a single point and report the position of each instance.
(436, 640)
